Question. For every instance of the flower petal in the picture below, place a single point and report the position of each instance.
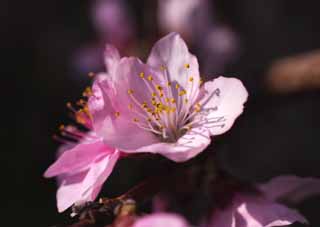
(291, 189)
(161, 220)
(172, 53)
(260, 212)
(118, 127)
(254, 211)
(101, 169)
(77, 158)
(68, 191)
(222, 102)
(187, 146)
(100, 102)
(111, 59)
(85, 186)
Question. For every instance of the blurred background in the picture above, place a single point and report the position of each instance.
(49, 47)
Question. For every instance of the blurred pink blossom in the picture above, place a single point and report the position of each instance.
(161, 220)
(215, 42)
(113, 21)
(114, 24)
(265, 208)
(161, 107)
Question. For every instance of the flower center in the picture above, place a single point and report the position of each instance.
(168, 108)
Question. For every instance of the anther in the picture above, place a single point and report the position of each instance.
(183, 92)
(177, 86)
(144, 105)
(159, 88)
(130, 91)
(117, 114)
(150, 78)
(191, 79)
(135, 120)
(87, 92)
(141, 75)
(187, 66)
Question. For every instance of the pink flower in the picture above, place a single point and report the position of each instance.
(264, 209)
(161, 220)
(158, 107)
(161, 107)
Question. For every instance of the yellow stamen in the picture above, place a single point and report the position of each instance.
(141, 75)
(187, 66)
(150, 78)
(191, 79)
(159, 88)
(117, 114)
(135, 120)
(130, 91)
(183, 92)
(144, 105)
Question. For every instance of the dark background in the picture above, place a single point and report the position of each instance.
(276, 134)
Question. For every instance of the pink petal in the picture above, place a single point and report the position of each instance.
(187, 146)
(291, 189)
(101, 169)
(85, 186)
(161, 220)
(100, 103)
(68, 192)
(121, 131)
(123, 134)
(111, 59)
(128, 78)
(172, 53)
(222, 102)
(254, 211)
(77, 158)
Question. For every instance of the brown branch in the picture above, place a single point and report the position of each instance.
(295, 73)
